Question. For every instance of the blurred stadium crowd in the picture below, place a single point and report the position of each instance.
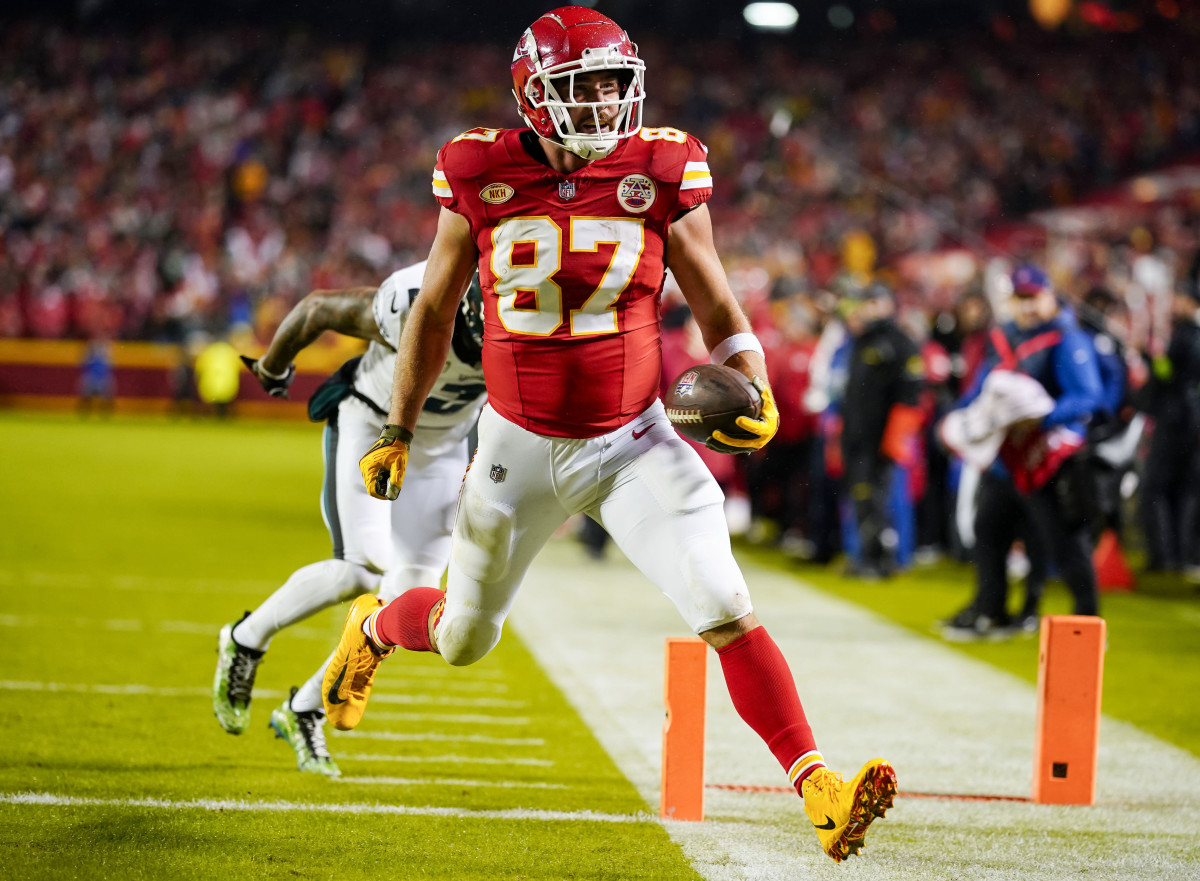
(152, 183)
(156, 184)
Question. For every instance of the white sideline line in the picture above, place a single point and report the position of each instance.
(459, 718)
(449, 781)
(135, 689)
(46, 799)
(457, 760)
(441, 738)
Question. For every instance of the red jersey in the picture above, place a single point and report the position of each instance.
(571, 268)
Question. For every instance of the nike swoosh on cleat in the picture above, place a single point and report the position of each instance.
(638, 435)
(828, 824)
(337, 683)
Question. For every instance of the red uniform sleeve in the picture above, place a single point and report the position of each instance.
(679, 159)
(458, 160)
(442, 191)
(695, 186)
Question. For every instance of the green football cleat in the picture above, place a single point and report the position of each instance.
(305, 733)
(234, 680)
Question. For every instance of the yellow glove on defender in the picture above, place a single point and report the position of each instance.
(383, 465)
(762, 429)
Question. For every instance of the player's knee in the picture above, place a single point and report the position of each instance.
(483, 538)
(464, 638)
(715, 585)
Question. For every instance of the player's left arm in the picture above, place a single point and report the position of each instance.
(347, 311)
(692, 257)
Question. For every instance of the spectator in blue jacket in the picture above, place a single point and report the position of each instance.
(1040, 458)
(1112, 433)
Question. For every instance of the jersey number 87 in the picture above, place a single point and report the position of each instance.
(598, 313)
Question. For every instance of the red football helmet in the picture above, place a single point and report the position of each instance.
(556, 47)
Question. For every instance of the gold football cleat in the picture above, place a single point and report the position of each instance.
(841, 811)
(349, 676)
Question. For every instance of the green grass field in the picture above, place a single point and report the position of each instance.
(128, 543)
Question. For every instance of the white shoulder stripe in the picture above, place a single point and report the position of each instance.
(695, 166)
(438, 174)
(698, 183)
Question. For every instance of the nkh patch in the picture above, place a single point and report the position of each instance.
(686, 382)
(497, 194)
(566, 190)
(498, 473)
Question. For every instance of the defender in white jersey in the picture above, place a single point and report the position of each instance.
(376, 547)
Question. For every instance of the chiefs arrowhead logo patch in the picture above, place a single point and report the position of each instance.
(636, 193)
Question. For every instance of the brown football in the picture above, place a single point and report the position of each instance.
(709, 397)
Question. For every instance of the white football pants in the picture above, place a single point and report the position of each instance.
(644, 484)
(408, 539)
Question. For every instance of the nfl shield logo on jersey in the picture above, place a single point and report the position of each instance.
(498, 473)
(566, 190)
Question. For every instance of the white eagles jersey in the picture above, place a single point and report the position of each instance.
(458, 395)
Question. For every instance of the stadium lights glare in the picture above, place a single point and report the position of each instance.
(779, 17)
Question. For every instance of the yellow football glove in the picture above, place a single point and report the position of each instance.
(761, 429)
(383, 465)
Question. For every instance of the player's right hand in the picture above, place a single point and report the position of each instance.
(758, 431)
(383, 465)
(275, 386)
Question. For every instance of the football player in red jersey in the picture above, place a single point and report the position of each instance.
(572, 224)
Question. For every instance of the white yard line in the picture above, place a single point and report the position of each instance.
(449, 718)
(949, 724)
(138, 625)
(443, 700)
(451, 781)
(92, 583)
(132, 689)
(433, 737)
(448, 759)
(127, 689)
(46, 799)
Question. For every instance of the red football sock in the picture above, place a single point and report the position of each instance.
(764, 695)
(405, 620)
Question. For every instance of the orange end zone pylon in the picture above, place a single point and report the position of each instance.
(683, 731)
(1112, 570)
(1070, 679)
